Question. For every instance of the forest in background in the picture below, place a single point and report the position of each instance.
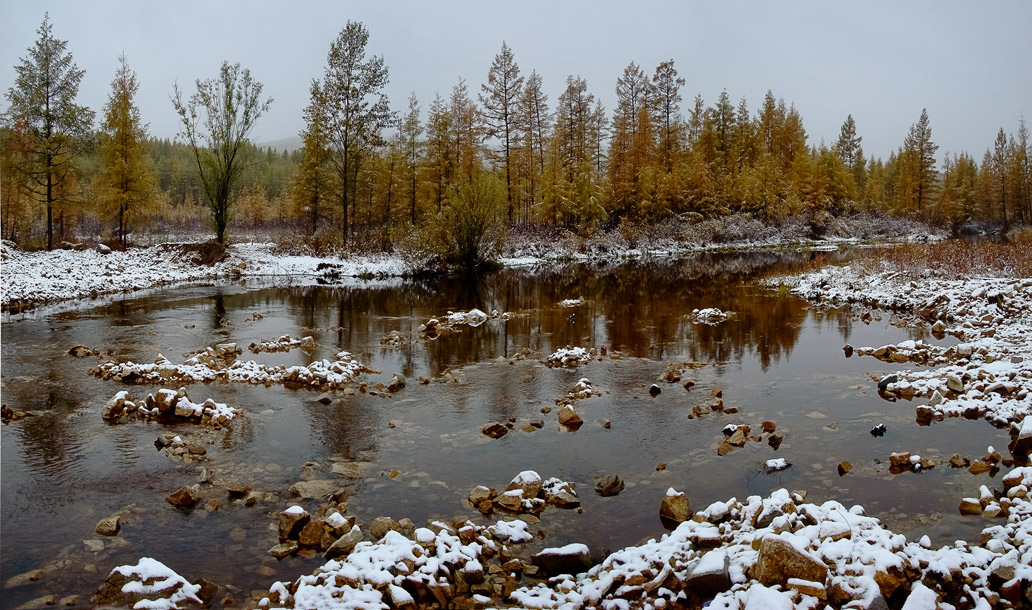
(455, 174)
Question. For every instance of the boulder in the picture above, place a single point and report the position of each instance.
(379, 527)
(317, 488)
(1021, 447)
(709, 576)
(284, 549)
(528, 481)
(480, 494)
(511, 500)
(345, 544)
(570, 559)
(564, 499)
(103, 249)
(80, 351)
(609, 485)
(675, 507)
(885, 381)
(311, 534)
(955, 384)
(185, 497)
(495, 430)
(569, 418)
(291, 521)
(396, 383)
(654, 390)
(109, 526)
(779, 560)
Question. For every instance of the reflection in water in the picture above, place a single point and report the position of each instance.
(776, 359)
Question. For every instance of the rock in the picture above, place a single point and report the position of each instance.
(80, 351)
(779, 561)
(311, 534)
(958, 462)
(291, 521)
(1022, 444)
(103, 249)
(564, 499)
(774, 440)
(379, 527)
(396, 383)
(345, 544)
(878, 430)
(654, 390)
(569, 418)
(511, 500)
(109, 526)
(848, 350)
(528, 481)
(675, 507)
(495, 430)
(939, 327)
(978, 467)
(768, 427)
(609, 485)
(185, 497)
(318, 488)
(885, 381)
(284, 549)
(208, 590)
(709, 576)
(570, 559)
(844, 468)
(480, 494)
(970, 506)
(955, 384)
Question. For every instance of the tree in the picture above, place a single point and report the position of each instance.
(127, 172)
(850, 152)
(312, 182)
(410, 130)
(918, 163)
(536, 131)
(667, 86)
(357, 110)
(1001, 160)
(632, 148)
(467, 131)
(216, 124)
(53, 130)
(500, 97)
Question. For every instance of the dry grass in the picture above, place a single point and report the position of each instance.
(955, 258)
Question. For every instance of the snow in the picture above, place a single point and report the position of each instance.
(172, 589)
(569, 356)
(511, 531)
(295, 510)
(710, 316)
(776, 464)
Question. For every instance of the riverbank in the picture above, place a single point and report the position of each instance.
(30, 279)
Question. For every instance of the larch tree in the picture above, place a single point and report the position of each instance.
(410, 130)
(53, 130)
(216, 124)
(313, 181)
(918, 163)
(536, 131)
(667, 85)
(126, 172)
(467, 131)
(357, 110)
(500, 98)
(439, 162)
(631, 149)
(851, 153)
(1000, 163)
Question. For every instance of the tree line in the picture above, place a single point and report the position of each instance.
(463, 169)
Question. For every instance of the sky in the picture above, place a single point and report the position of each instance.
(882, 62)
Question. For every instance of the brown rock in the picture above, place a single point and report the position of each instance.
(291, 523)
(958, 462)
(569, 418)
(779, 561)
(80, 351)
(481, 493)
(675, 507)
(571, 559)
(311, 534)
(109, 526)
(609, 485)
(564, 499)
(978, 467)
(208, 590)
(379, 527)
(768, 427)
(284, 549)
(970, 506)
(844, 468)
(774, 440)
(345, 544)
(495, 430)
(185, 497)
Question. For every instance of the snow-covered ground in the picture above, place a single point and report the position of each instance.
(58, 275)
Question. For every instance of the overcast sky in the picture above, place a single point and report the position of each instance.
(882, 62)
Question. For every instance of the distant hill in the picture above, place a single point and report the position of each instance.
(290, 144)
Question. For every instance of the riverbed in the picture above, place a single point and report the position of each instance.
(416, 453)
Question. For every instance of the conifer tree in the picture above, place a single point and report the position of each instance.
(313, 181)
(410, 131)
(500, 98)
(1000, 162)
(667, 85)
(918, 163)
(53, 130)
(357, 110)
(127, 172)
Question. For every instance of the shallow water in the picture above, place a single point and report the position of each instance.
(777, 359)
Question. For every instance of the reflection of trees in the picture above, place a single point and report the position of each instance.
(637, 308)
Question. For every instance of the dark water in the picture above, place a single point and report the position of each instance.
(778, 359)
